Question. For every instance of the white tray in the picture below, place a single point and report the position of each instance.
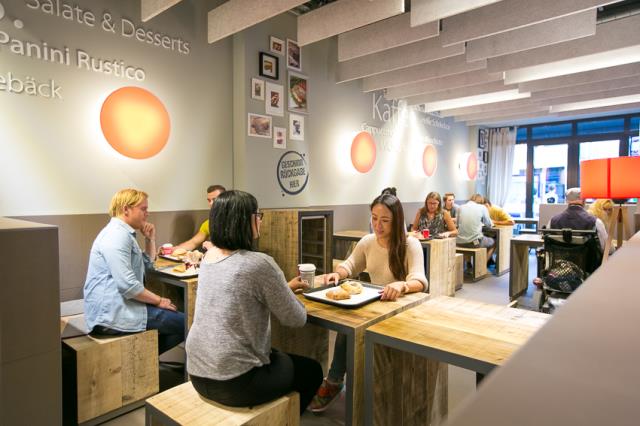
(370, 293)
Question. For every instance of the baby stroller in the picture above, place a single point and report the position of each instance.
(567, 258)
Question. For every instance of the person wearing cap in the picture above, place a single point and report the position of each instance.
(201, 239)
(576, 217)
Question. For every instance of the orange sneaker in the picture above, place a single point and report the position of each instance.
(327, 393)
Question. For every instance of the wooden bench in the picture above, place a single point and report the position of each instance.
(478, 257)
(182, 405)
(459, 271)
(104, 377)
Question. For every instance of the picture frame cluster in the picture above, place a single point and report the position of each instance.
(273, 94)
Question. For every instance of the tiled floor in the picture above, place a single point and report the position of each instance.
(462, 382)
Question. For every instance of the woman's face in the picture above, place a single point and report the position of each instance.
(432, 205)
(381, 221)
(608, 208)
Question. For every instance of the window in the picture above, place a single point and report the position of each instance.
(634, 146)
(549, 175)
(551, 131)
(615, 125)
(516, 200)
(521, 134)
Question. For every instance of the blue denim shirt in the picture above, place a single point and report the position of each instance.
(115, 276)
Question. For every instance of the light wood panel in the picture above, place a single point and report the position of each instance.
(432, 10)
(441, 273)
(184, 406)
(627, 107)
(478, 257)
(581, 78)
(503, 247)
(151, 8)
(509, 118)
(601, 86)
(382, 35)
(493, 114)
(519, 263)
(495, 106)
(342, 16)
(236, 15)
(459, 271)
(461, 92)
(439, 84)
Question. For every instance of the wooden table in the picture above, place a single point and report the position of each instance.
(345, 241)
(440, 265)
(352, 323)
(519, 276)
(504, 233)
(405, 374)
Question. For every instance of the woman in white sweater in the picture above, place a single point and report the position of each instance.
(393, 260)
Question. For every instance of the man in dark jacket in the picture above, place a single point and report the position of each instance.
(576, 217)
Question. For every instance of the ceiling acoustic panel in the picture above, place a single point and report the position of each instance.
(629, 107)
(237, 15)
(151, 8)
(460, 92)
(342, 16)
(508, 119)
(382, 35)
(450, 66)
(581, 78)
(509, 15)
(580, 89)
(558, 30)
(442, 83)
(541, 109)
(423, 11)
(419, 52)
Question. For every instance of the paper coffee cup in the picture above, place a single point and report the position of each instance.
(167, 249)
(307, 273)
(425, 233)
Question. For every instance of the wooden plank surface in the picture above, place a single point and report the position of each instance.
(503, 247)
(482, 331)
(519, 262)
(442, 263)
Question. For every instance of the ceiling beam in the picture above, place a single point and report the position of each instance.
(237, 15)
(601, 86)
(460, 92)
(495, 106)
(559, 30)
(492, 114)
(454, 65)
(151, 8)
(596, 103)
(386, 34)
(442, 83)
(611, 35)
(615, 93)
(509, 15)
(600, 109)
(419, 52)
(342, 16)
(594, 76)
(474, 100)
(423, 11)
(508, 119)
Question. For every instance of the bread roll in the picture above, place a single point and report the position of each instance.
(351, 287)
(338, 294)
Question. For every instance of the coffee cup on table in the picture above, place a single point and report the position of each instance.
(425, 233)
(307, 273)
(166, 249)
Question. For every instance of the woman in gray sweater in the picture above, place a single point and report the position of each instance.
(229, 355)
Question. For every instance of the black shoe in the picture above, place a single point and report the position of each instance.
(491, 262)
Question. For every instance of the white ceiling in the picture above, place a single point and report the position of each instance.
(535, 60)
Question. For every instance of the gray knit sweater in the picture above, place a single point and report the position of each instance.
(231, 331)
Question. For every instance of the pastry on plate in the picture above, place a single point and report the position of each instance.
(351, 287)
(338, 294)
(180, 268)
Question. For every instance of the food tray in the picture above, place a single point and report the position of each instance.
(169, 271)
(370, 293)
(170, 257)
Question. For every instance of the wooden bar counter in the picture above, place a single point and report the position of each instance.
(352, 323)
(405, 371)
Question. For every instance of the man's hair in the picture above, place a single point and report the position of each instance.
(477, 198)
(125, 198)
(487, 201)
(449, 194)
(212, 188)
(230, 220)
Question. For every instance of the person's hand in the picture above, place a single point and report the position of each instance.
(149, 231)
(207, 245)
(332, 277)
(297, 284)
(392, 291)
(165, 303)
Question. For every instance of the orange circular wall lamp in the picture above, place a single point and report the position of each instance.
(363, 152)
(468, 166)
(429, 160)
(135, 122)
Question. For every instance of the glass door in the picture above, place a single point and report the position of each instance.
(549, 175)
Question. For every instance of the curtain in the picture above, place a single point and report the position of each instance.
(502, 144)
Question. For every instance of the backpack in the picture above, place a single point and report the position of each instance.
(564, 276)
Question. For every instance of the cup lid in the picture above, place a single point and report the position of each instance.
(306, 267)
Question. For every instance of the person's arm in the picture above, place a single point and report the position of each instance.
(504, 219)
(149, 232)
(351, 267)
(278, 296)
(195, 242)
(416, 222)
(603, 236)
(415, 280)
(150, 298)
(486, 219)
(452, 231)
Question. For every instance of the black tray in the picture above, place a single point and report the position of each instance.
(370, 293)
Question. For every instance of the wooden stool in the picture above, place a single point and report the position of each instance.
(103, 375)
(478, 256)
(182, 405)
(459, 271)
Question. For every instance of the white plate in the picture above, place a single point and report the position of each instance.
(368, 295)
(191, 272)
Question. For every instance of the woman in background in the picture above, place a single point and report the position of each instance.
(434, 218)
(393, 260)
(603, 210)
(229, 355)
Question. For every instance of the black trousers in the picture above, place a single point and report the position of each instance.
(284, 374)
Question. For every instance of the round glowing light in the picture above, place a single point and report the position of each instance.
(429, 160)
(135, 122)
(363, 152)
(472, 167)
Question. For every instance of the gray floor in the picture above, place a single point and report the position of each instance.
(462, 383)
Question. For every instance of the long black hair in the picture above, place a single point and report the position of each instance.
(230, 220)
(398, 240)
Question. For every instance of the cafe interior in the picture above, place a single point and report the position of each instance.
(315, 107)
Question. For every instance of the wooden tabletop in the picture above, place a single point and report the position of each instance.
(350, 234)
(527, 238)
(481, 331)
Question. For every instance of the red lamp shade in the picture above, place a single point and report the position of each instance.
(610, 178)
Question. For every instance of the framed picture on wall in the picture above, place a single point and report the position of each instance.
(269, 66)
(274, 99)
(485, 157)
(276, 45)
(483, 138)
(294, 57)
(257, 89)
(298, 90)
(259, 126)
(280, 137)
(296, 127)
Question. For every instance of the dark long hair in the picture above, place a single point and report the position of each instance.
(398, 240)
(435, 195)
(230, 220)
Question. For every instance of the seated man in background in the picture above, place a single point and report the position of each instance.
(201, 239)
(115, 299)
(471, 218)
(498, 215)
(450, 206)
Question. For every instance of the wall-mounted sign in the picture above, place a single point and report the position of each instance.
(292, 172)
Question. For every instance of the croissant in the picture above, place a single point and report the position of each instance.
(351, 287)
(338, 294)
